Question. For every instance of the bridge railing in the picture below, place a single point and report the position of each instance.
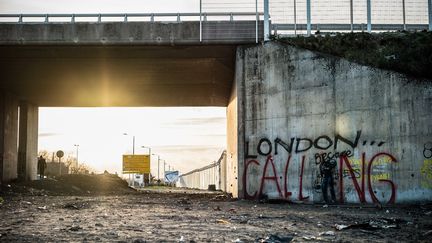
(125, 17)
(203, 17)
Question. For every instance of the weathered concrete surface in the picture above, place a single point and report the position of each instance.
(298, 104)
(136, 33)
(233, 126)
(8, 136)
(118, 75)
(28, 141)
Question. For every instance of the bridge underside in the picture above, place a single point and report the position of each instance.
(97, 75)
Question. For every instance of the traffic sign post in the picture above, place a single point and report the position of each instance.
(60, 154)
(139, 164)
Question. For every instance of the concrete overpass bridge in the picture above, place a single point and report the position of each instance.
(60, 61)
(284, 105)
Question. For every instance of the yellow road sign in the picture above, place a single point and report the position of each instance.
(138, 163)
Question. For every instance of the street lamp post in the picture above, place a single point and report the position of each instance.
(133, 143)
(148, 149)
(133, 153)
(158, 175)
(164, 170)
(149, 162)
(77, 163)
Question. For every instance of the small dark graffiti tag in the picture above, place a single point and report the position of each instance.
(427, 150)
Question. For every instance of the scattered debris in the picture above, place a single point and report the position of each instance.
(310, 237)
(222, 197)
(237, 241)
(341, 226)
(427, 233)
(327, 233)
(325, 206)
(1, 200)
(42, 208)
(374, 224)
(113, 234)
(217, 208)
(71, 206)
(232, 210)
(183, 201)
(182, 239)
(99, 225)
(276, 239)
(75, 228)
(222, 221)
(139, 241)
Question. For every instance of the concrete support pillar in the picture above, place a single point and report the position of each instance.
(28, 141)
(8, 137)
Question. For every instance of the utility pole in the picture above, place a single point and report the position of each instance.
(133, 145)
(158, 175)
(77, 163)
(164, 170)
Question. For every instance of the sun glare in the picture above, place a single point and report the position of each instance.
(185, 137)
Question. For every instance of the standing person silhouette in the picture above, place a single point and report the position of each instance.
(327, 168)
(41, 166)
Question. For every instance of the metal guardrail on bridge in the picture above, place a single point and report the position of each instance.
(125, 17)
(292, 17)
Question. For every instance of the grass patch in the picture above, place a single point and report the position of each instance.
(405, 52)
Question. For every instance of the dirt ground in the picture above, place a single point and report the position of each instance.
(173, 215)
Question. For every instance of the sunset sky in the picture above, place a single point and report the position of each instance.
(187, 138)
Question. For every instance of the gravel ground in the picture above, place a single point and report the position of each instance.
(187, 216)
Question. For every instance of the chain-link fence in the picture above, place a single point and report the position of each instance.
(291, 16)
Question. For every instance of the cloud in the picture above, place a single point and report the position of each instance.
(48, 134)
(211, 135)
(188, 148)
(197, 121)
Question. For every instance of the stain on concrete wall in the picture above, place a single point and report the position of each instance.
(299, 108)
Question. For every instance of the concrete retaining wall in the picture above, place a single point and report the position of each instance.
(141, 33)
(296, 106)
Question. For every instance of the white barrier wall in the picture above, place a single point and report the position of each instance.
(203, 177)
